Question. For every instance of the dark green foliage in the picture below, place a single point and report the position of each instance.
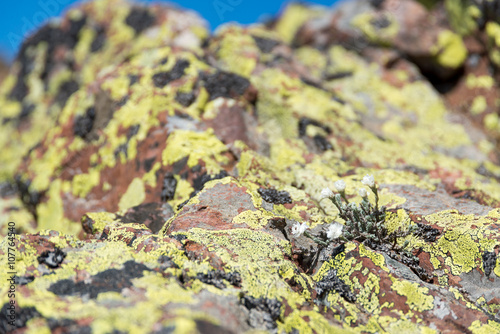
(366, 222)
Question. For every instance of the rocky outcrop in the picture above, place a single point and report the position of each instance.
(151, 172)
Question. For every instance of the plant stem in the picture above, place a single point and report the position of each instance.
(313, 238)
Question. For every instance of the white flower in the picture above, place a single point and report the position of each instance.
(339, 185)
(362, 192)
(368, 180)
(326, 193)
(334, 231)
(298, 229)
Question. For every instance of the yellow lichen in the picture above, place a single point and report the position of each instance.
(493, 32)
(134, 195)
(256, 219)
(384, 36)
(237, 51)
(292, 18)
(417, 296)
(460, 245)
(196, 145)
(450, 50)
(479, 105)
(82, 184)
(479, 328)
(51, 213)
(482, 81)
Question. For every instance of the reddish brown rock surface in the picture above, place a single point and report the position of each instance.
(153, 176)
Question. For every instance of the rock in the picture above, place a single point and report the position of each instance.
(151, 173)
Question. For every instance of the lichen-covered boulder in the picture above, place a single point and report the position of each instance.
(153, 175)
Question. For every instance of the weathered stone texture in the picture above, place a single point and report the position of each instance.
(154, 170)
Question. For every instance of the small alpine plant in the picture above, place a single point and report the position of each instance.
(364, 222)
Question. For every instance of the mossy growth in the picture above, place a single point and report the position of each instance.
(366, 222)
(462, 15)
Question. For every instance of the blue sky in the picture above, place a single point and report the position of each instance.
(19, 18)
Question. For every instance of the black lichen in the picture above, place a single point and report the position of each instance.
(133, 130)
(22, 316)
(268, 309)
(99, 39)
(65, 90)
(337, 250)
(429, 234)
(67, 326)
(133, 78)
(20, 89)
(121, 150)
(402, 256)
(332, 283)
(216, 277)
(377, 3)
(272, 195)
(82, 125)
(161, 79)
(336, 76)
(265, 44)
(304, 122)
(185, 99)
(140, 19)
(53, 258)
(206, 327)
(53, 36)
(199, 182)
(73, 32)
(23, 280)
(224, 84)
(277, 223)
(169, 187)
(489, 262)
(322, 143)
(26, 110)
(30, 198)
(108, 280)
(179, 237)
(148, 164)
